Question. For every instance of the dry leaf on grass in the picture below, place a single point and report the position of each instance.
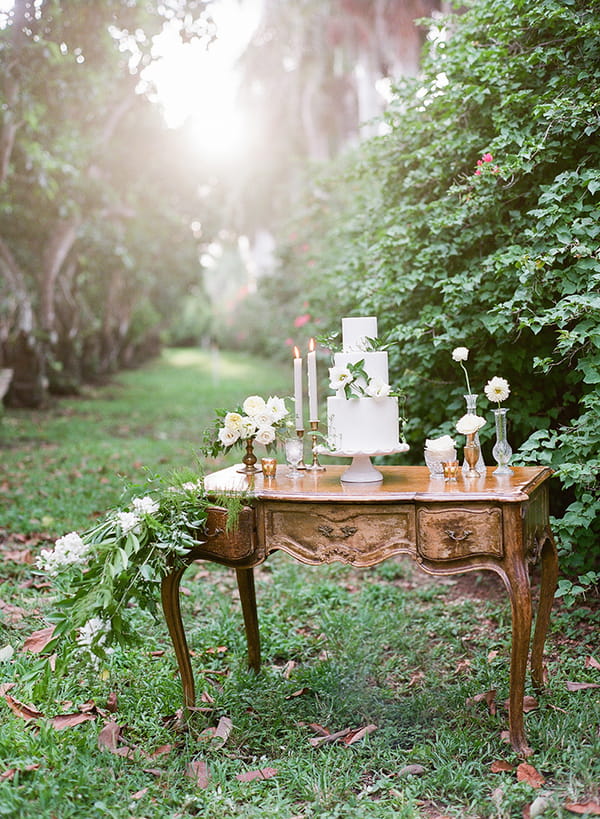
(577, 686)
(197, 770)
(9, 774)
(348, 735)
(529, 704)
(500, 765)
(592, 808)
(139, 794)
(263, 773)
(108, 740)
(26, 712)
(591, 662)
(112, 702)
(299, 693)
(38, 640)
(527, 773)
(63, 721)
(489, 697)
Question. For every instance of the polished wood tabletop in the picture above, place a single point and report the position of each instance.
(400, 483)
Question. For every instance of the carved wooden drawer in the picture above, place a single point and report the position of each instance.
(448, 533)
(237, 544)
(360, 534)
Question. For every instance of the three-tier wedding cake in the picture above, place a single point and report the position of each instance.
(362, 417)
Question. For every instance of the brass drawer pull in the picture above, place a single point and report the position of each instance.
(345, 532)
(458, 537)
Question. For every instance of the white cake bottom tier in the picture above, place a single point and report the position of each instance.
(362, 424)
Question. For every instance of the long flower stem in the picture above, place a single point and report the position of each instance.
(467, 377)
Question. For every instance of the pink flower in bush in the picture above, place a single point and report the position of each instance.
(300, 321)
(487, 158)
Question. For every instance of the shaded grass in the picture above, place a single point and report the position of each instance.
(341, 648)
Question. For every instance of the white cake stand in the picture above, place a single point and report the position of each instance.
(361, 470)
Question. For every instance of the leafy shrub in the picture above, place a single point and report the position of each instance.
(474, 222)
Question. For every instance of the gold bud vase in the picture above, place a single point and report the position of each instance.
(249, 460)
(472, 452)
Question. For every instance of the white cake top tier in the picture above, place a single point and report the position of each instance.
(355, 332)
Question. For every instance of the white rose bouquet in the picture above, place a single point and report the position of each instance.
(256, 419)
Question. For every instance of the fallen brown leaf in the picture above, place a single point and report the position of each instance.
(361, 733)
(500, 765)
(38, 640)
(112, 702)
(4, 687)
(577, 686)
(527, 773)
(529, 704)
(162, 750)
(489, 697)
(591, 807)
(26, 712)
(108, 740)
(317, 741)
(139, 794)
(299, 693)
(591, 662)
(198, 771)
(223, 729)
(263, 773)
(9, 773)
(63, 721)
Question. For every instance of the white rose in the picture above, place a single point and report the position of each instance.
(277, 408)
(265, 435)
(263, 419)
(253, 405)
(339, 377)
(377, 388)
(228, 436)
(232, 421)
(145, 506)
(469, 424)
(497, 389)
(442, 444)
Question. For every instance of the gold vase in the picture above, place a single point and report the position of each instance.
(249, 460)
(471, 455)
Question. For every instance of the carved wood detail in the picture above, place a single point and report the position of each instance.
(360, 534)
(449, 533)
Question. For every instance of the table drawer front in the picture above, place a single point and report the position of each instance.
(449, 533)
(360, 534)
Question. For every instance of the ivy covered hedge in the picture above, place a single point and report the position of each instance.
(474, 221)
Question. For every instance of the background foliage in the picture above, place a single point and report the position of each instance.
(501, 256)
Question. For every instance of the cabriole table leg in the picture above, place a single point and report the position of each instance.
(549, 578)
(172, 612)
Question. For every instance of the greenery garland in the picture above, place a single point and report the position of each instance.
(123, 560)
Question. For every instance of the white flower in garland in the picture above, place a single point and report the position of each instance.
(497, 390)
(128, 521)
(145, 505)
(68, 550)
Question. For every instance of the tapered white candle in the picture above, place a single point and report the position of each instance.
(298, 389)
(313, 403)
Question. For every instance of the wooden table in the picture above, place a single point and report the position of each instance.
(446, 527)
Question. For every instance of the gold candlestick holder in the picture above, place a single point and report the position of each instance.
(315, 466)
(300, 434)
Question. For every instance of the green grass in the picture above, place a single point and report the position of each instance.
(341, 647)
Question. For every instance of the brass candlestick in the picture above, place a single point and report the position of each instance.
(316, 466)
(300, 434)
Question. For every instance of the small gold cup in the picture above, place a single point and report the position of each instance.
(269, 467)
(450, 470)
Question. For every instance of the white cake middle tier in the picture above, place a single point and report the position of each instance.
(362, 424)
(376, 365)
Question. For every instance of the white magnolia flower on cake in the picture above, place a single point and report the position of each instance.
(442, 444)
(233, 421)
(497, 389)
(469, 424)
(145, 505)
(377, 388)
(228, 436)
(277, 408)
(128, 521)
(460, 353)
(253, 405)
(339, 377)
(265, 435)
(68, 550)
